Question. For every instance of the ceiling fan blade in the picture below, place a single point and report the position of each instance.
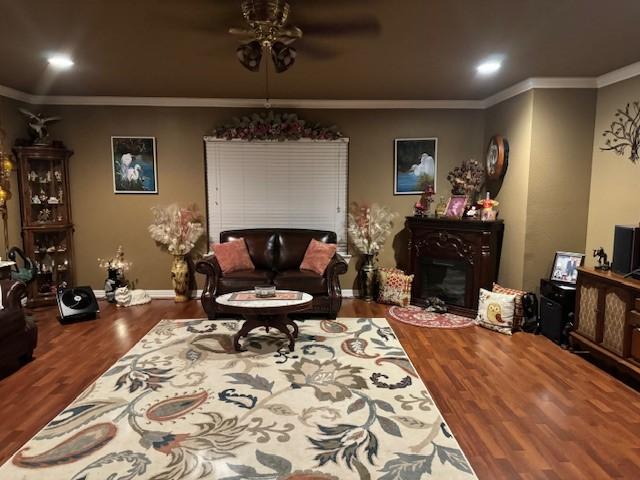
(364, 26)
(241, 31)
(291, 32)
(310, 49)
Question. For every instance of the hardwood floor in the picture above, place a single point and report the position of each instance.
(520, 407)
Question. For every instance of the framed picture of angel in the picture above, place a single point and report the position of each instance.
(134, 164)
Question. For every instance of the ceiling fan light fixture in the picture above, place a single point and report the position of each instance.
(283, 56)
(250, 55)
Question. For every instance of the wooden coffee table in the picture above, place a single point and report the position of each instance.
(267, 313)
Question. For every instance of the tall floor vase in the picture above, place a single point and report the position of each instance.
(367, 277)
(180, 278)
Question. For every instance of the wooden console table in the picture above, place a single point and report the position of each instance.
(452, 259)
(608, 318)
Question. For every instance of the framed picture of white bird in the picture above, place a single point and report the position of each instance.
(134, 164)
(415, 165)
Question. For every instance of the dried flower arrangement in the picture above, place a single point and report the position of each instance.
(369, 227)
(117, 263)
(176, 229)
(467, 179)
(275, 126)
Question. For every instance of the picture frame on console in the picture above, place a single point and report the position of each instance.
(455, 206)
(565, 267)
(415, 165)
(134, 164)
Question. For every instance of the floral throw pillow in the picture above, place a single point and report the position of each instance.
(394, 287)
(518, 314)
(495, 311)
(233, 256)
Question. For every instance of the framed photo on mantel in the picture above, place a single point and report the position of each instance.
(415, 165)
(134, 166)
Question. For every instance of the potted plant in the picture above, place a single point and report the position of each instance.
(177, 229)
(369, 227)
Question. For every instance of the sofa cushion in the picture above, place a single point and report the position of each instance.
(233, 256)
(301, 280)
(244, 280)
(260, 243)
(318, 256)
(292, 245)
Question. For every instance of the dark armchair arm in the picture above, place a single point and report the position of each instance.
(210, 267)
(13, 292)
(337, 266)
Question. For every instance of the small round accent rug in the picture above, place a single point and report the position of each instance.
(420, 318)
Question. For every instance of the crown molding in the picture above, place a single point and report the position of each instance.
(14, 94)
(605, 80)
(619, 75)
(539, 83)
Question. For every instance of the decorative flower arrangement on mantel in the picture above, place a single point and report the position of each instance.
(275, 126)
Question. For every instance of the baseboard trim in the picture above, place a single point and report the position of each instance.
(169, 294)
(155, 294)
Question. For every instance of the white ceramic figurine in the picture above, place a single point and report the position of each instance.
(128, 298)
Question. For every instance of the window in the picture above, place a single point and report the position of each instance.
(268, 184)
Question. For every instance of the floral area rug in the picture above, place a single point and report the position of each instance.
(419, 317)
(346, 404)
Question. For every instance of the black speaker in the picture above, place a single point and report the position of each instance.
(77, 303)
(557, 307)
(626, 249)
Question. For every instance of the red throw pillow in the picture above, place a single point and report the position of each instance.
(233, 256)
(318, 256)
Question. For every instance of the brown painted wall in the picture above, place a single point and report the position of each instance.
(104, 220)
(615, 181)
(14, 126)
(513, 119)
(559, 179)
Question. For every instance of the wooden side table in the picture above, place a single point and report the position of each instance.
(267, 313)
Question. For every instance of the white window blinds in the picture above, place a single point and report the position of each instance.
(291, 184)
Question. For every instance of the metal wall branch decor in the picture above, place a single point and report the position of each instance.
(275, 126)
(624, 132)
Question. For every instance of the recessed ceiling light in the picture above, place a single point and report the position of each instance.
(489, 67)
(60, 61)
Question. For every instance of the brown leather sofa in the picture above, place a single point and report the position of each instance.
(18, 334)
(276, 255)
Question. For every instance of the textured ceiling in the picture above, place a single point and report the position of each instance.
(414, 49)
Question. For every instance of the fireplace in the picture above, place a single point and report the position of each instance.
(452, 259)
(445, 279)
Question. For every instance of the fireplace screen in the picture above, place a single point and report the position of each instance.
(445, 279)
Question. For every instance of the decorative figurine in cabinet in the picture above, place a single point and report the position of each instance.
(47, 228)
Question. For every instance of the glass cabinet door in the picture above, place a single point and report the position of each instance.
(53, 260)
(46, 191)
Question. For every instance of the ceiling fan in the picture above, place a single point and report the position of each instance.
(267, 31)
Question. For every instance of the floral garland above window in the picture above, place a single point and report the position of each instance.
(275, 126)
